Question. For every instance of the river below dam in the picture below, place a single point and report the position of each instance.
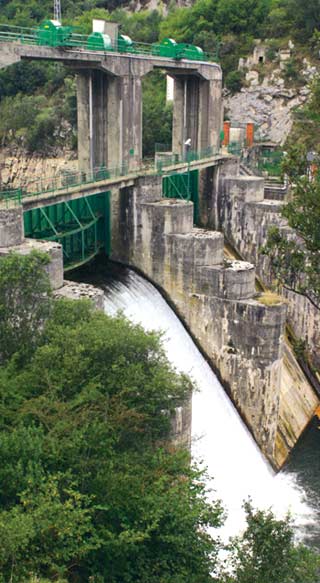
(220, 440)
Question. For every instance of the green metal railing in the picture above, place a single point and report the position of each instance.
(11, 197)
(270, 162)
(31, 36)
(187, 158)
(70, 181)
(183, 186)
(265, 163)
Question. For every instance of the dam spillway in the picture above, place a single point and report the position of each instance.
(220, 440)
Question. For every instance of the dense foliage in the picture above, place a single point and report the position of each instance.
(91, 487)
(89, 484)
(23, 306)
(266, 553)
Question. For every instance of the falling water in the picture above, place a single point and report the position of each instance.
(220, 439)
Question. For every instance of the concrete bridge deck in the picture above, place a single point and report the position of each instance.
(117, 64)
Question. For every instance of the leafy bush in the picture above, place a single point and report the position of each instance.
(234, 81)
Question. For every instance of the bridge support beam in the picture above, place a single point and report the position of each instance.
(196, 113)
(109, 120)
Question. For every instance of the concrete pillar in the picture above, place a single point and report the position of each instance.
(125, 121)
(92, 89)
(11, 226)
(84, 144)
(109, 120)
(196, 113)
(210, 114)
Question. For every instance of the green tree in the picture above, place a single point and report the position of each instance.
(89, 482)
(157, 114)
(91, 487)
(24, 302)
(266, 552)
(295, 261)
(305, 17)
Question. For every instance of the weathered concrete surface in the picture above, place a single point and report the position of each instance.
(11, 226)
(110, 101)
(181, 423)
(305, 317)
(81, 291)
(109, 120)
(298, 403)
(209, 189)
(54, 250)
(235, 206)
(117, 64)
(113, 184)
(8, 55)
(241, 337)
(238, 209)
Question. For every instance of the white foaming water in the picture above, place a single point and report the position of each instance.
(221, 441)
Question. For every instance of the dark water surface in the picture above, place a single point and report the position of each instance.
(220, 439)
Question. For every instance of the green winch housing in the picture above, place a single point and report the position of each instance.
(191, 52)
(125, 44)
(97, 41)
(51, 33)
(167, 48)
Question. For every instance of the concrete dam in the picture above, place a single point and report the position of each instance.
(117, 205)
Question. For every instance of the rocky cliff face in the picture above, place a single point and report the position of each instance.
(18, 168)
(269, 102)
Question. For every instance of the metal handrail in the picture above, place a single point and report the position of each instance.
(69, 181)
(25, 35)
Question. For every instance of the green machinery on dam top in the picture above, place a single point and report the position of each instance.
(52, 33)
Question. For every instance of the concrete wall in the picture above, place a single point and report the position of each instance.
(241, 337)
(110, 115)
(11, 226)
(236, 205)
(12, 240)
(305, 319)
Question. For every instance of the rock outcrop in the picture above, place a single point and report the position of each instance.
(18, 168)
(269, 97)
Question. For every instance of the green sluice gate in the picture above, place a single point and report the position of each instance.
(184, 186)
(81, 226)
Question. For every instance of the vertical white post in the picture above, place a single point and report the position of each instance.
(57, 10)
(91, 121)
